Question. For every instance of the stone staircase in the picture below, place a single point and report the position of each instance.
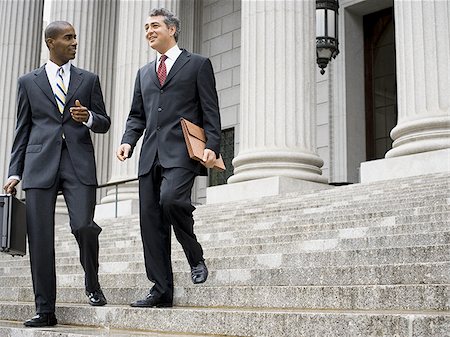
(360, 260)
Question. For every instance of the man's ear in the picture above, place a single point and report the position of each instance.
(49, 43)
(172, 30)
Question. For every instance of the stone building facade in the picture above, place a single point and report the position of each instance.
(380, 111)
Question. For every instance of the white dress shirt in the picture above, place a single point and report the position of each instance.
(172, 55)
(51, 69)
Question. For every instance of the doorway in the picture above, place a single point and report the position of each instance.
(380, 82)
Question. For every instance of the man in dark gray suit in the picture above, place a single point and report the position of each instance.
(53, 152)
(177, 84)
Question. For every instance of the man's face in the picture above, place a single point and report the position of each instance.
(158, 34)
(64, 46)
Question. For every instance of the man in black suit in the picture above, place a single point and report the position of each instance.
(53, 152)
(177, 84)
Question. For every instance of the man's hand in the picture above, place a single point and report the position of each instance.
(209, 157)
(79, 113)
(123, 151)
(10, 186)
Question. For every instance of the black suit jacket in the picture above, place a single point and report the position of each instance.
(189, 92)
(37, 144)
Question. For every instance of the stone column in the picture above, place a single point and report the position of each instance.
(95, 23)
(20, 47)
(278, 93)
(132, 53)
(277, 142)
(422, 135)
(189, 12)
(422, 31)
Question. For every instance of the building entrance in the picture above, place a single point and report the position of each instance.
(380, 82)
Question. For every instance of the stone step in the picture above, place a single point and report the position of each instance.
(330, 217)
(300, 246)
(319, 202)
(373, 227)
(247, 322)
(314, 231)
(280, 223)
(306, 241)
(363, 190)
(133, 274)
(248, 256)
(387, 226)
(276, 232)
(340, 205)
(327, 223)
(16, 329)
(289, 256)
(319, 214)
(264, 234)
(366, 297)
(232, 221)
(338, 230)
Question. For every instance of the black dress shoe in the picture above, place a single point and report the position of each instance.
(152, 301)
(96, 298)
(199, 273)
(47, 319)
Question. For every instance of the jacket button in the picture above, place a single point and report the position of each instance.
(159, 109)
(161, 91)
(158, 128)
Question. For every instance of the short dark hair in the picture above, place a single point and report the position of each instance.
(54, 28)
(169, 19)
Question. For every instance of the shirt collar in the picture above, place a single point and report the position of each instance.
(53, 67)
(171, 54)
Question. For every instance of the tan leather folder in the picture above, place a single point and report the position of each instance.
(195, 139)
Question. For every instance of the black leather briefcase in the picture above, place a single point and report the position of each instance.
(13, 226)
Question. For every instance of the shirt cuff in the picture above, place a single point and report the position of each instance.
(14, 177)
(89, 121)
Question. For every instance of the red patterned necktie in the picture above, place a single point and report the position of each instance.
(162, 71)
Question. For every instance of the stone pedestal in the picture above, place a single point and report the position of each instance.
(423, 85)
(406, 166)
(278, 93)
(20, 47)
(258, 188)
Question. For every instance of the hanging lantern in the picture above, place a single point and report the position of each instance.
(326, 32)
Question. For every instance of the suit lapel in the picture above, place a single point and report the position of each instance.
(76, 77)
(179, 63)
(151, 70)
(42, 82)
(152, 73)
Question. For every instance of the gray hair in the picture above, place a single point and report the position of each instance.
(169, 19)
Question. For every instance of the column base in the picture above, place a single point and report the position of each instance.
(260, 188)
(406, 166)
(289, 163)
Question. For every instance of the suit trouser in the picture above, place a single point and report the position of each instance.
(40, 206)
(165, 199)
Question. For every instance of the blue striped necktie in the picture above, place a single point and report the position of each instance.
(61, 92)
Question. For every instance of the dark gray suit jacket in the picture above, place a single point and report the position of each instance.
(189, 92)
(37, 144)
